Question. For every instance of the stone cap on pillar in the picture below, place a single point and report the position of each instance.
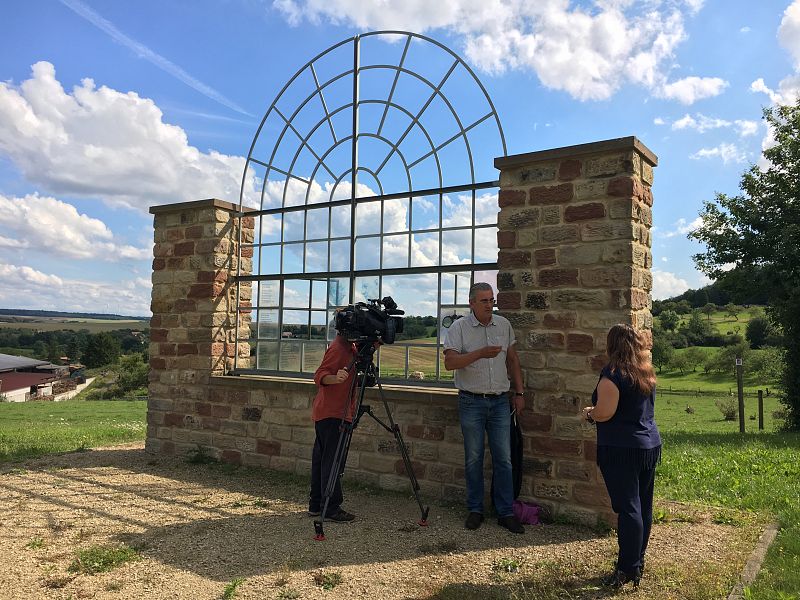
(196, 204)
(624, 143)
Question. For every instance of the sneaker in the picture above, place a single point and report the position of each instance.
(511, 523)
(313, 513)
(474, 520)
(341, 516)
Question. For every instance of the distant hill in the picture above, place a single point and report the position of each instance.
(18, 312)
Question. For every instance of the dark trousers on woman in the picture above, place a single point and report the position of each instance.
(629, 474)
(328, 431)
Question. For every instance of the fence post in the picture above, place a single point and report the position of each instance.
(739, 386)
(760, 410)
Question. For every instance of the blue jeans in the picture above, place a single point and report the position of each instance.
(492, 416)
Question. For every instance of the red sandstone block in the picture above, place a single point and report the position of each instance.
(590, 451)
(184, 249)
(155, 321)
(580, 342)
(626, 187)
(512, 259)
(584, 212)
(211, 276)
(559, 320)
(210, 423)
(506, 239)
(558, 277)
(569, 169)
(162, 249)
(172, 419)
(591, 494)
(533, 421)
(419, 468)
(248, 222)
(509, 300)
(194, 232)
(157, 363)
(425, 432)
(186, 349)
(238, 396)
(598, 361)
(159, 264)
(556, 447)
(220, 411)
(158, 335)
(647, 196)
(551, 194)
(166, 349)
(201, 290)
(176, 264)
(511, 198)
(231, 456)
(167, 447)
(247, 252)
(544, 257)
(268, 447)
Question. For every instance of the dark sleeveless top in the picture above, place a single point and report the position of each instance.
(633, 425)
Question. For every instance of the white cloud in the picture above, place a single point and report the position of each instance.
(691, 89)
(658, 121)
(666, 285)
(587, 51)
(702, 123)
(789, 31)
(681, 228)
(105, 144)
(727, 152)
(26, 287)
(51, 226)
(744, 29)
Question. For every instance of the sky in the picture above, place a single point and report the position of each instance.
(108, 108)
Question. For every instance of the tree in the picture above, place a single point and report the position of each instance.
(669, 320)
(694, 357)
(662, 352)
(758, 232)
(102, 349)
(680, 362)
(709, 308)
(758, 331)
(133, 372)
(733, 310)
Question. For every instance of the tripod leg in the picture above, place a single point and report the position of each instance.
(395, 428)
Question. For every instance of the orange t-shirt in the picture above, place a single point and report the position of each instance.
(331, 400)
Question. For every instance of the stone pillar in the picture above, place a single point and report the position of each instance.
(574, 259)
(193, 329)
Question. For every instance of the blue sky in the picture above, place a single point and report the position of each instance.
(109, 107)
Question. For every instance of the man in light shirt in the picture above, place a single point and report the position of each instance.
(480, 349)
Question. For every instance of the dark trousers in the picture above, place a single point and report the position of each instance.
(322, 464)
(630, 487)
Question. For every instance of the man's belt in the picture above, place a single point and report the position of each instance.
(481, 395)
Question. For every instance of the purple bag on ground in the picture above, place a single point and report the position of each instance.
(527, 513)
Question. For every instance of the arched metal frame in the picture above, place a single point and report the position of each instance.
(352, 139)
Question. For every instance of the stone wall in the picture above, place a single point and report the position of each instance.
(573, 260)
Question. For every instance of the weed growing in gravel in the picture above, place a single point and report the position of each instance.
(113, 586)
(200, 456)
(35, 543)
(230, 589)
(506, 565)
(288, 594)
(99, 559)
(329, 580)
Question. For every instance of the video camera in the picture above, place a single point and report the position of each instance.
(368, 322)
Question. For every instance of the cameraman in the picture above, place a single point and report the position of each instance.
(333, 405)
(480, 349)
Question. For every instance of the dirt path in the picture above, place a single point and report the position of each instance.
(196, 528)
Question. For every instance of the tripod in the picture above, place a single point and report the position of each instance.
(365, 375)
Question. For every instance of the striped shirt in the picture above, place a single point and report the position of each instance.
(485, 375)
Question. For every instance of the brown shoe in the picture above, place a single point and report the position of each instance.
(474, 520)
(511, 523)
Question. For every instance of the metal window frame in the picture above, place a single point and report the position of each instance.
(354, 274)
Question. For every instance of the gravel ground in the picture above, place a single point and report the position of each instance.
(197, 528)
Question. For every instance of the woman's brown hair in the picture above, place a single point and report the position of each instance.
(628, 354)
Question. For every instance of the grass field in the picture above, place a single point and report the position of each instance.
(58, 324)
(725, 324)
(33, 429)
(718, 382)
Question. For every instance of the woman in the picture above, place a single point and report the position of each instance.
(628, 445)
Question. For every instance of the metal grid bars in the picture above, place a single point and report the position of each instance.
(364, 181)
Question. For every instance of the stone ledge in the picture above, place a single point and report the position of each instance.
(439, 396)
(624, 143)
(196, 204)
